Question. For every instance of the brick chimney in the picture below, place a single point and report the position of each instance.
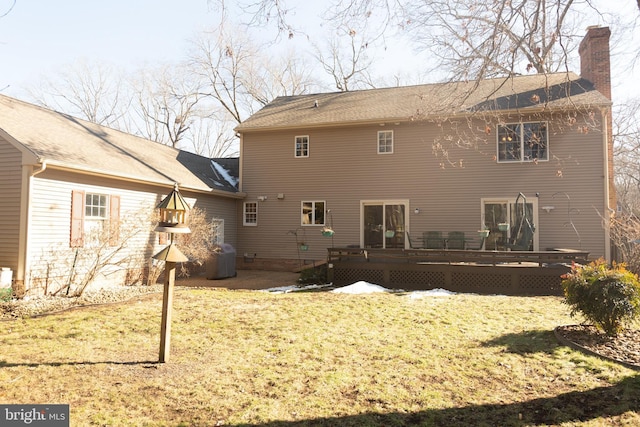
(595, 66)
(595, 62)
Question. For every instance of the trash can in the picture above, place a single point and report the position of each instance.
(222, 262)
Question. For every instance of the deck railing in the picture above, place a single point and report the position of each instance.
(504, 272)
(458, 256)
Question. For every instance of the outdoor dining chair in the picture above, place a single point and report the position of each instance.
(455, 240)
(433, 240)
(412, 245)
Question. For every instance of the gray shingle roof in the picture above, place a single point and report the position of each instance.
(63, 140)
(553, 91)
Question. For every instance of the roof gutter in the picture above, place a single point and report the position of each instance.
(130, 178)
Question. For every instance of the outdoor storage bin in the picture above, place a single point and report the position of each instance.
(222, 262)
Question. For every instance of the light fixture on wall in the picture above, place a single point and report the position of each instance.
(262, 198)
(548, 209)
(416, 211)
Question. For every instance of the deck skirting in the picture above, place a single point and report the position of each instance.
(480, 272)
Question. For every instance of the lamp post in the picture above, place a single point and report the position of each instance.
(173, 210)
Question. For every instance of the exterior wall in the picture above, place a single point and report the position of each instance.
(447, 185)
(10, 187)
(50, 257)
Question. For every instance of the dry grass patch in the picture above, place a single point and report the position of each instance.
(253, 358)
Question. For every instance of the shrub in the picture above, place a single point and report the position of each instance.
(609, 297)
(314, 275)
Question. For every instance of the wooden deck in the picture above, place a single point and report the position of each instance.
(483, 272)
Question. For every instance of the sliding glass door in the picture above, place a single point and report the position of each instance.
(506, 219)
(384, 224)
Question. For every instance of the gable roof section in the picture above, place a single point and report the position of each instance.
(554, 91)
(67, 142)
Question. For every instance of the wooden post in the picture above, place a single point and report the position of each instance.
(167, 302)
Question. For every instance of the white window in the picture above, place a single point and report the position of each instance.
(96, 219)
(217, 231)
(95, 206)
(302, 146)
(250, 213)
(313, 213)
(523, 142)
(385, 142)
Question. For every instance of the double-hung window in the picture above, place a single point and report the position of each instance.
(385, 142)
(523, 142)
(313, 213)
(95, 218)
(250, 214)
(302, 146)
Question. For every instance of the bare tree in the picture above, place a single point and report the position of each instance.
(347, 66)
(469, 39)
(285, 75)
(213, 136)
(167, 102)
(238, 75)
(627, 155)
(219, 60)
(91, 91)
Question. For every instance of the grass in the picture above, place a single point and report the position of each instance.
(259, 359)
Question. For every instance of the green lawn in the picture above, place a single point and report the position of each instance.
(316, 358)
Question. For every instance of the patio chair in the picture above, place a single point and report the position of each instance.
(433, 240)
(455, 240)
(411, 244)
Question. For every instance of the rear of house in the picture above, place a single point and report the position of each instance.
(382, 167)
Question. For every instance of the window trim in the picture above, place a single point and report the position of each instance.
(312, 222)
(380, 132)
(78, 218)
(521, 126)
(303, 152)
(245, 214)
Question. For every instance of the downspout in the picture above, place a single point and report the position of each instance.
(608, 209)
(25, 223)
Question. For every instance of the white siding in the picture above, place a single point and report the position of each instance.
(50, 256)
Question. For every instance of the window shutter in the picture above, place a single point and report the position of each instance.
(77, 219)
(114, 220)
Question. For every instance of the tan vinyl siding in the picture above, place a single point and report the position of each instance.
(344, 168)
(10, 185)
(221, 208)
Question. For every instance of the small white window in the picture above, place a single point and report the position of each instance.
(95, 206)
(313, 213)
(250, 213)
(385, 142)
(302, 146)
(217, 231)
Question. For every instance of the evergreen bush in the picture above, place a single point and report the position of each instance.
(609, 297)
